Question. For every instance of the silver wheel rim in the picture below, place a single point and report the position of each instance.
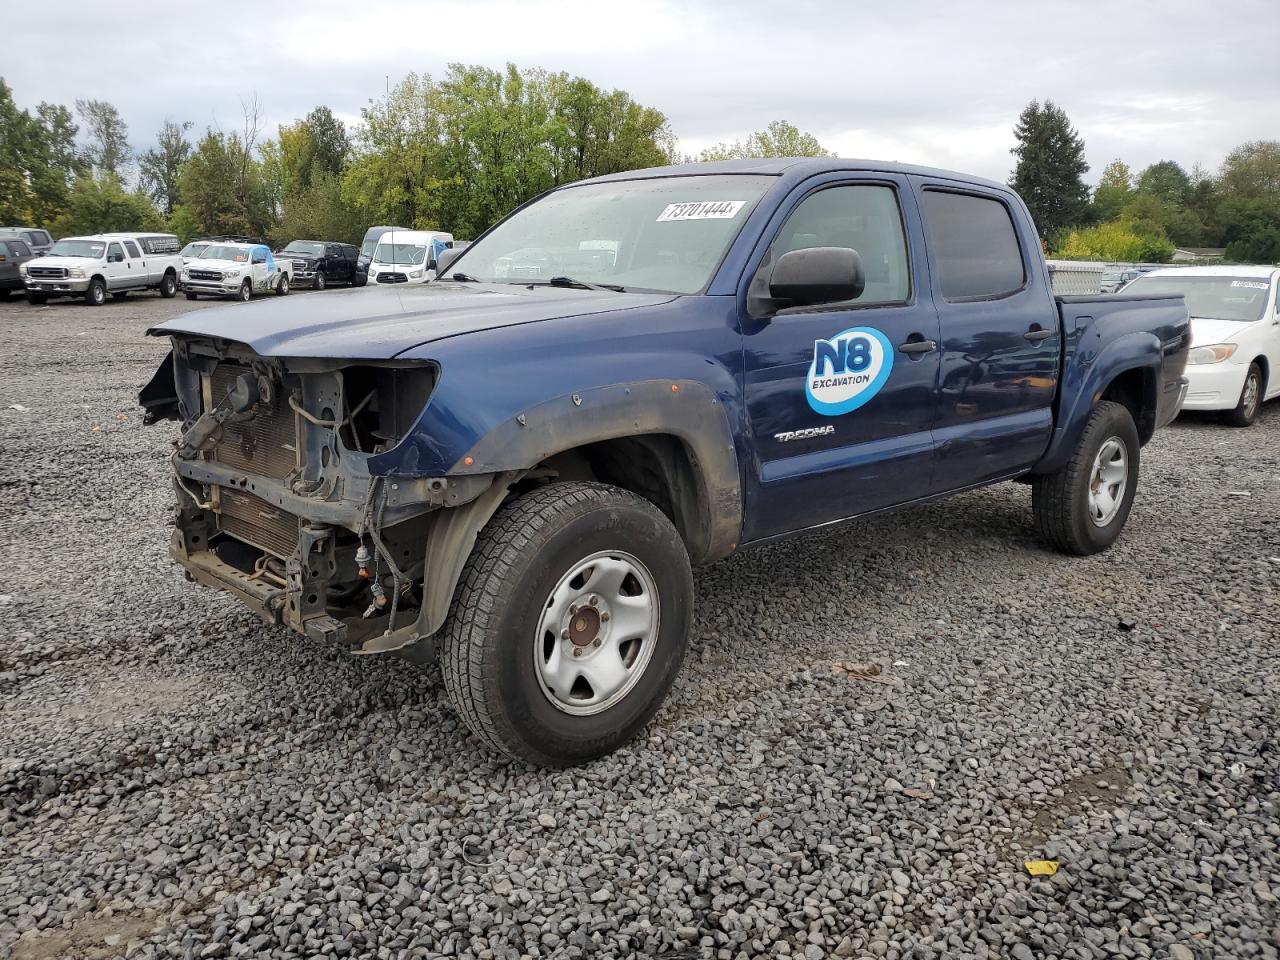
(1250, 398)
(246, 293)
(99, 293)
(1108, 481)
(597, 633)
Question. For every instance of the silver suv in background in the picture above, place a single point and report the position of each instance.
(39, 241)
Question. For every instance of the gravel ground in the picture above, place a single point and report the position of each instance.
(177, 780)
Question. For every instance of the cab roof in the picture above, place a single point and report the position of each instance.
(797, 167)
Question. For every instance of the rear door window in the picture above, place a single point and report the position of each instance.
(974, 245)
(132, 248)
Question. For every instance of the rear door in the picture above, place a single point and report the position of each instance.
(136, 265)
(1000, 335)
(841, 414)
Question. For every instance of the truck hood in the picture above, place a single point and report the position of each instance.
(88, 263)
(201, 262)
(1205, 330)
(379, 323)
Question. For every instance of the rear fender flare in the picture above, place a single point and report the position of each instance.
(1090, 370)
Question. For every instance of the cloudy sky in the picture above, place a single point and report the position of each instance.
(924, 82)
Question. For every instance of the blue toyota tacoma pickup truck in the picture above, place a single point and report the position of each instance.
(513, 468)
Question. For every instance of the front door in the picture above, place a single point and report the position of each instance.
(117, 268)
(841, 397)
(1000, 336)
(261, 271)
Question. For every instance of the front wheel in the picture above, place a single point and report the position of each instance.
(169, 286)
(1082, 508)
(37, 299)
(246, 292)
(321, 281)
(96, 295)
(569, 624)
(1246, 410)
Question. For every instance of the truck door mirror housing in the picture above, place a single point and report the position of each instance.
(817, 275)
(445, 260)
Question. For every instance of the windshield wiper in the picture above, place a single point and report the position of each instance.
(462, 278)
(583, 285)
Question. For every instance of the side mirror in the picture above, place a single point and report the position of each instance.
(446, 259)
(817, 275)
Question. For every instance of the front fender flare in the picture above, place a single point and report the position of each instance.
(686, 409)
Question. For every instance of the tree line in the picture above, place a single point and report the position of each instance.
(1141, 216)
(459, 152)
(455, 153)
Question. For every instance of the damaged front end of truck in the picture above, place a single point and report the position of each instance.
(291, 492)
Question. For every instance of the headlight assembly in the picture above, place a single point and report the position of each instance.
(1214, 353)
(76, 273)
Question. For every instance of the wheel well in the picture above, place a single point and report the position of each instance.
(658, 467)
(1136, 390)
(1266, 373)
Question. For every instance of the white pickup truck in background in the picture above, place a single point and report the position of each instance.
(106, 263)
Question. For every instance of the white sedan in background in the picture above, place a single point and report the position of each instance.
(1234, 363)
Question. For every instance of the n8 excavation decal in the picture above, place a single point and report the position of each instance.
(848, 370)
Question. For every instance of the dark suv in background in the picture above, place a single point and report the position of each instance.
(318, 263)
(14, 252)
(38, 240)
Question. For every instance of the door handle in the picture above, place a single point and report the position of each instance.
(1036, 335)
(916, 347)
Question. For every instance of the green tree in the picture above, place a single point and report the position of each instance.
(1049, 175)
(158, 166)
(392, 177)
(330, 145)
(1252, 172)
(222, 189)
(1113, 191)
(98, 204)
(1116, 241)
(17, 142)
(1166, 181)
(779, 139)
(1254, 235)
(108, 148)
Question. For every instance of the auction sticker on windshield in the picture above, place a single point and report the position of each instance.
(702, 210)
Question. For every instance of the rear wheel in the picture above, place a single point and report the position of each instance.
(169, 286)
(1082, 508)
(245, 294)
(569, 624)
(1246, 410)
(282, 288)
(321, 280)
(96, 295)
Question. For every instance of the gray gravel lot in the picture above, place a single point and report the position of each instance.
(177, 780)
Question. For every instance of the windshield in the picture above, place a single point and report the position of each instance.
(78, 248)
(1218, 298)
(666, 235)
(307, 247)
(217, 251)
(192, 249)
(407, 253)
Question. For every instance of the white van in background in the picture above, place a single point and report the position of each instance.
(407, 256)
